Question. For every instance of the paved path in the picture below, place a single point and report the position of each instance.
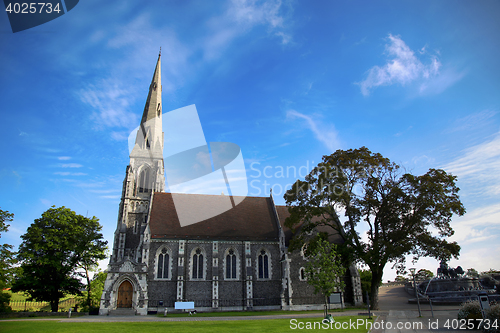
(397, 315)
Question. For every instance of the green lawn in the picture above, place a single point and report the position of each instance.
(269, 325)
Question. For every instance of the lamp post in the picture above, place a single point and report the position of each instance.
(412, 270)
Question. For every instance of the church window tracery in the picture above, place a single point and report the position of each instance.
(163, 264)
(231, 265)
(197, 268)
(263, 263)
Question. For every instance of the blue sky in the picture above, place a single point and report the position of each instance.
(287, 81)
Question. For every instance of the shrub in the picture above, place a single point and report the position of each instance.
(4, 302)
(493, 314)
(470, 310)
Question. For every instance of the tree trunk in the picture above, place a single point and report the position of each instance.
(376, 278)
(54, 305)
(326, 306)
(88, 286)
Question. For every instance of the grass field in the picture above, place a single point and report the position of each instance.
(268, 325)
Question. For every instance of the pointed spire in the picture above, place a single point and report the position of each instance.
(153, 105)
(150, 135)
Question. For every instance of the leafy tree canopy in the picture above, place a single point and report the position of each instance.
(424, 274)
(7, 257)
(53, 248)
(471, 272)
(7, 262)
(324, 270)
(356, 188)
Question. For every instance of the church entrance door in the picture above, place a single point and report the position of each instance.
(125, 292)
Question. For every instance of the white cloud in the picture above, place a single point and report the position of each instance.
(251, 12)
(479, 167)
(482, 259)
(478, 225)
(326, 134)
(402, 67)
(63, 158)
(110, 100)
(241, 17)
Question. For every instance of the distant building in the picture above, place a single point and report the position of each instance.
(237, 260)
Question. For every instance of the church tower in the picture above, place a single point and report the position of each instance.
(126, 284)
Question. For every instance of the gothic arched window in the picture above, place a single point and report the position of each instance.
(231, 265)
(163, 261)
(197, 265)
(144, 183)
(263, 263)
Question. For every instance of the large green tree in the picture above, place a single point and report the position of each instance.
(324, 270)
(424, 274)
(383, 213)
(54, 247)
(7, 261)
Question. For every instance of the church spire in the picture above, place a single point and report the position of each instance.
(153, 105)
(150, 133)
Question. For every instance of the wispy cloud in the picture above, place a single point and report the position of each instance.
(326, 134)
(241, 17)
(70, 173)
(473, 121)
(249, 13)
(479, 167)
(110, 100)
(71, 165)
(63, 158)
(402, 67)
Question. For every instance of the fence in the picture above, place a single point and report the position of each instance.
(42, 306)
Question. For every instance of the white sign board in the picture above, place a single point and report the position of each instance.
(184, 305)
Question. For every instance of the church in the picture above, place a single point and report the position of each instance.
(237, 260)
